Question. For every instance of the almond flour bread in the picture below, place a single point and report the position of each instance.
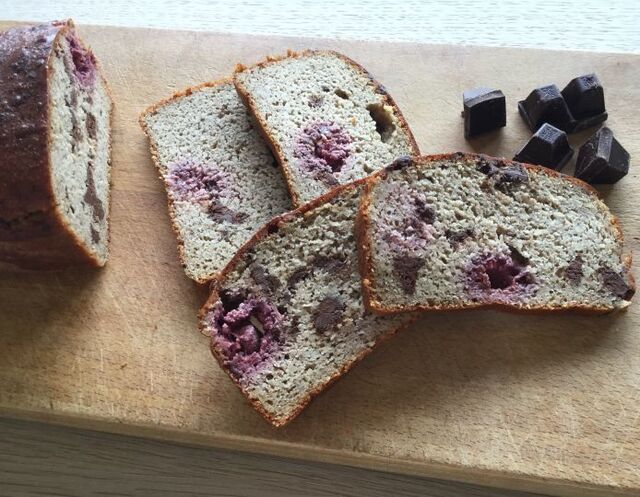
(55, 113)
(286, 317)
(326, 119)
(461, 231)
(222, 181)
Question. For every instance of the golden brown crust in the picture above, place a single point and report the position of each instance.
(250, 103)
(363, 224)
(268, 228)
(153, 146)
(33, 231)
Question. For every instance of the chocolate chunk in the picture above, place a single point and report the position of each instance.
(573, 272)
(602, 159)
(91, 195)
(95, 235)
(401, 162)
(328, 314)
(484, 110)
(585, 98)
(549, 147)
(425, 212)
(232, 298)
(331, 265)
(260, 275)
(405, 268)
(222, 213)
(501, 175)
(546, 105)
(615, 283)
(297, 276)
(90, 123)
(456, 238)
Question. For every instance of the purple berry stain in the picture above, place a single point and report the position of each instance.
(84, 62)
(414, 229)
(192, 181)
(499, 277)
(323, 149)
(247, 334)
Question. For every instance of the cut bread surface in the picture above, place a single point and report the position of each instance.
(54, 149)
(286, 318)
(80, 109)
(326, 119)
(463, 230)
(221, 179)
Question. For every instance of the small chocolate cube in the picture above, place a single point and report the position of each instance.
(484, 110)
(546, 105)
(602, 160)
(585, 98)
(549, 147)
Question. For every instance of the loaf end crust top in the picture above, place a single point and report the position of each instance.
(33, 232)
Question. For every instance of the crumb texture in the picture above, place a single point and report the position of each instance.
(289, 316)
(332, 124)
(222, 181)
(468, 231)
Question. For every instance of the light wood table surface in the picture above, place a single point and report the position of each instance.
(37, 459)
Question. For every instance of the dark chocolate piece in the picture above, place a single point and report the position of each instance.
(328, 314)
(549, 147)
(546, 105)
(484, 110)
(615, 283)
(602, 160)
(584, 96)
(405, 268)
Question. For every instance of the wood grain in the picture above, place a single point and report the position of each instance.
(610, 26)
(37, 460)
(545, 404)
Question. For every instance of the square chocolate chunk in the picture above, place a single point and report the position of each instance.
(549, 147)
(546, 105)
(484, 110)
(585, 98)
(602, 160)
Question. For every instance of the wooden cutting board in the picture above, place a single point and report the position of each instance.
(539, 403)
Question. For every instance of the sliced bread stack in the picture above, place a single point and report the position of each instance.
(296, 304)
(286, 317)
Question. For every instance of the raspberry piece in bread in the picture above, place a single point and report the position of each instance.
(462, 230)
(55, 113)
(326, 119)
(221, 179)
(286, 317)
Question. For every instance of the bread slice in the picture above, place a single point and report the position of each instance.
(55, 148)
(461, 230)
(327, 120)
(222, 181)
(286, 317)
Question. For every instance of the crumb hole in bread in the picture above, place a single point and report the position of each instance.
(383, 119)
(342, 94)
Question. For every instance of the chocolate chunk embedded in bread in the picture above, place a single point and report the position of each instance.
(222, 182)
(55, 113)
(503, 234)
(286, 317)
(327, 120)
